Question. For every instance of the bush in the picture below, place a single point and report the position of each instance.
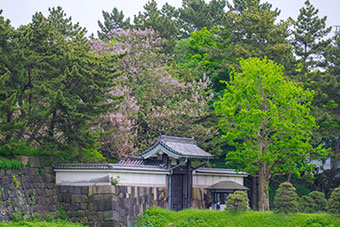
(286, 199)
(307, 204)
(238, 201)
(10, 164)
(319, 200)
(315, 222)
(213, 218)
(334, 202)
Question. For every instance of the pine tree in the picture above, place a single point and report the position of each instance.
(286, 199)
(10, 75)
(254, 32)
(63, 24)
(326, 107)
(163, 21)
(58, 88)
(113, 20)
(237, 201)
(334, 202)
(320, 201)
(307, 204)
(194, 15)
(308, 37)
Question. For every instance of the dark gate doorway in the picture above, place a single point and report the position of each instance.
(177, 191)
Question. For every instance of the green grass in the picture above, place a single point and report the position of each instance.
(40, 224)
(191, 217)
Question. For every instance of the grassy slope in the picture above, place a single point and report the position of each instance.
(209, 218)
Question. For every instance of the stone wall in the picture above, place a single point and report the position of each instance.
(201, 198)
(109, 205)
(27, 192)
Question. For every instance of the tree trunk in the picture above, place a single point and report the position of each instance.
(263, 188)
(253, 192)
(334, 162)
(289, 175)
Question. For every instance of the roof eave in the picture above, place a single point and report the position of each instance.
(172, 154)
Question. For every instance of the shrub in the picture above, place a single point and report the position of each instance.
(238, 201)
(286, 199)
(315, 222)
(320, 201)
(307, 204)
(10, 164)
(334, 202)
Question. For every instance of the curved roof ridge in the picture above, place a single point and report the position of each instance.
(178, 147)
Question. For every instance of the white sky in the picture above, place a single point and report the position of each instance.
(88, 12)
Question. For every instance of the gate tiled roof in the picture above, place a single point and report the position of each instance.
(177, 147)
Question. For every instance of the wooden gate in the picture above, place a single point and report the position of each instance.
(177, 191)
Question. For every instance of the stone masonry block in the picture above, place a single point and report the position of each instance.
(78, 198)
(75, 190)
(102, 205)
(103, 189)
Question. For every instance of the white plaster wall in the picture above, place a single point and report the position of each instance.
(130, 178)
(141, 179)
(203, 181)
(72, 176)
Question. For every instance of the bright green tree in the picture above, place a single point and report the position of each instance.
(286, 199)
(205, 52)
(268, 120)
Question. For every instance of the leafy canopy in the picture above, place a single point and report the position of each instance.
(266, 118)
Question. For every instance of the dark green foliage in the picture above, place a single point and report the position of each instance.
(10, 164)
(64, 24)
(205, 52)
(326, 109)
(319, 200)
(255, 32)
(307, 204)
(308, 37)
(194, 15)
(237, 201)
(52, 87)
(164, 22)
(301, 190)
(286, 199)
(334, 202)
(113, 20)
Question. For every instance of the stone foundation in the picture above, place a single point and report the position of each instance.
(201, 198)
(109, 205)
(30, 191)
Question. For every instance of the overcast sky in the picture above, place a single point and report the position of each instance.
(88, 12)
